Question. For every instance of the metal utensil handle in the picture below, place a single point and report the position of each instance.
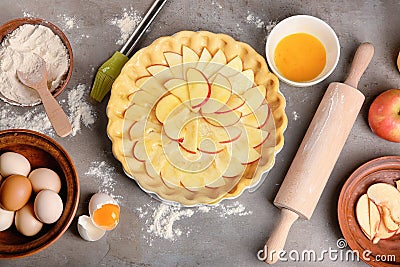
(142, 27)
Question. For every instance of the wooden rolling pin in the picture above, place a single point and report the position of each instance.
(318, 152)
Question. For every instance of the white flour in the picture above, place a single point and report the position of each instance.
(270, 26)
(255, 20)
(79, 111)
(217, 4)
(104, 172)
(17, 53)
(68, 22)
(127, 23)
(29, 14)
(259, 23)
(161, 220)
(296, 116)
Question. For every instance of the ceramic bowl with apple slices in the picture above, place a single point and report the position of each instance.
(368, 198)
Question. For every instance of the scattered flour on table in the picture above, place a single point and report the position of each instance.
(79, 112)
(296, 116)
(79, 109)
(126, 23)
(28, 14)
(104, 173)
(162, 220)
(270, 26)
(69, 23)
(217, 4)
(252, 19)
(259, 23)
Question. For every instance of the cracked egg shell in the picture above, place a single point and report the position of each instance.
(87, 230)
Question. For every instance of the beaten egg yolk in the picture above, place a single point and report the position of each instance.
(300, 57)
(107, 216)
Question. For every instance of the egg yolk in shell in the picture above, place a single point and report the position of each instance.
(107, 216)
(300, 57)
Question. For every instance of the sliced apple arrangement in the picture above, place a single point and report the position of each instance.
(196, 121)
(378, 211)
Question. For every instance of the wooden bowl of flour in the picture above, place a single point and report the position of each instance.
(12, 25)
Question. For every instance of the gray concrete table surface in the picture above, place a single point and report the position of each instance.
(217, 241)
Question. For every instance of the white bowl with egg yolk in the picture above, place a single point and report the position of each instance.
(312, 26)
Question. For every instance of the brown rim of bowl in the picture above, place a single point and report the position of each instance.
(72, 199)
(12, 25)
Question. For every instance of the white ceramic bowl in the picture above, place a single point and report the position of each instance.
(306, 24)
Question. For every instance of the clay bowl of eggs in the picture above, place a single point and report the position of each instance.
(20, 39)
(39, 192)
(302, 50)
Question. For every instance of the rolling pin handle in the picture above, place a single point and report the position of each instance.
(360, 63)
(276, 241)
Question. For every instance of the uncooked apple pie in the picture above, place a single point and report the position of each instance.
(196, 117)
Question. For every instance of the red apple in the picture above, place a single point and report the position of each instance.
(384, 115)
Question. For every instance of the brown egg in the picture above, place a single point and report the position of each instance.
(15, 192)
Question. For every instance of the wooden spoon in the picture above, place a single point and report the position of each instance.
(37, 80)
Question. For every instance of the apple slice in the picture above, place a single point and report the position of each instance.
(193, 181)
(227, 134)
(174, 61)
(161, 72)
(210, 147)
(362, 214)
(140, 128)
(139, 151)
(223, 119)
(212, 177)
(133, 164)
(205, 57)
(215, 64)
(127, 146)
(256, 137)
(151, 85)
(233, 67)
(386, 195)
(143, 98)
(179, 88)
(191, 136)
(216, 183)
(221, 91)
(136, 113)
(254, 98)
(245, 156)
(258, 118)
(382, 233)
(171, 175)
(233, 103)
(189, 59)
(156, 163)
(175, 122)
(199, 88)
(165, 106)
(150, 170)
(242, 81)
(387, 220)
(229, 166)
(374, 218)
